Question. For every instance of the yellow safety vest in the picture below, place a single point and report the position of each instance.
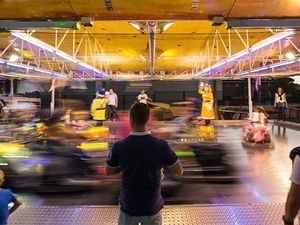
(98, 108)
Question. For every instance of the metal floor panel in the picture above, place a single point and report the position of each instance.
(252, 214)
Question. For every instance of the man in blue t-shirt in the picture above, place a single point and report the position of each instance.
(140, 157)
(6, 197)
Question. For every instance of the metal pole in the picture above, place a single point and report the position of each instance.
(152, 45)
(52, 104)
(12, 87)
(249, 96)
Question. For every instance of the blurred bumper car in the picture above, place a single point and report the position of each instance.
(94, 133)
(46, 166)
(205, 163)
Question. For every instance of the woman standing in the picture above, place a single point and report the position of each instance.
(280, 103)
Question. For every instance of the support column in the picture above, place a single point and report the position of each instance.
(250, 104)
(218, 93)
(152, 45)
(11, 94)
(52, 104)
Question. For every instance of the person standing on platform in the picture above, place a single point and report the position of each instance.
(280, 103)
(6, 197)
(292, 204)
(140, 157)
(143, 97)
(112, 104)
(98, 108)
(207, 110)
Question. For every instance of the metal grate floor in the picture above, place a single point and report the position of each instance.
(260, 214)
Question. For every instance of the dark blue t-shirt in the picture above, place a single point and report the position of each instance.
(141, 157)
(6, 197)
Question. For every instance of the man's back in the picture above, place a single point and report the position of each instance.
(141, 157)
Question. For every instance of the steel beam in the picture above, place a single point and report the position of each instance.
(267, 67)
(246, 51)
(41, 44)
(38, 25)
(262, 23)
(32, 68)
(250, 104)
(52, 103)
(152, 43)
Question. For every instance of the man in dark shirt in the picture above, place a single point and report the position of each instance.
(140, 157)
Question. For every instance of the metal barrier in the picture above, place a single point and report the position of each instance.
(293, 114)
(260, 214)
(232, 113)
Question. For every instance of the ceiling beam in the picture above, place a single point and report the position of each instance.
(262, 23)
(38, 25)
(237, 56)
(41, 44)
(263, 68)
(33, 69)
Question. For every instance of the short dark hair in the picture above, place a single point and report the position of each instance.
(139, 113)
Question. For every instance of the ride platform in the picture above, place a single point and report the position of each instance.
(172, 215)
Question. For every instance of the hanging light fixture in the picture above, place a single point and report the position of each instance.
(290, 55)
(168, 25)
(13, 58)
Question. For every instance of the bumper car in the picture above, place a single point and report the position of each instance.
(19, 132)
(257, 136)
(201, 134)
(94, 133)
(207, 133)
(46, 166)
(205, 163)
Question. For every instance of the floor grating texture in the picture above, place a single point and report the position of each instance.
(260, 214)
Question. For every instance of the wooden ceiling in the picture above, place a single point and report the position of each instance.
(178, 48)
(148, 9)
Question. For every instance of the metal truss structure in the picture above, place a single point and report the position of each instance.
(163, 75)
(40, 59)
(77, 54)
(264, 58)
(143, 75)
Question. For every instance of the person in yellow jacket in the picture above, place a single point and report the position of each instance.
(98, 109)
(207, 111)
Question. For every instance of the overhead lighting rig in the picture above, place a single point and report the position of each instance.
(36, 42)
(290, 55)
(273, 66)
(237, 56)
(143, 26)
(217, 20)
(38, 25)
(108, 5)
(33, 68)
(86, 21)
(140, 26)
(263, 23)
